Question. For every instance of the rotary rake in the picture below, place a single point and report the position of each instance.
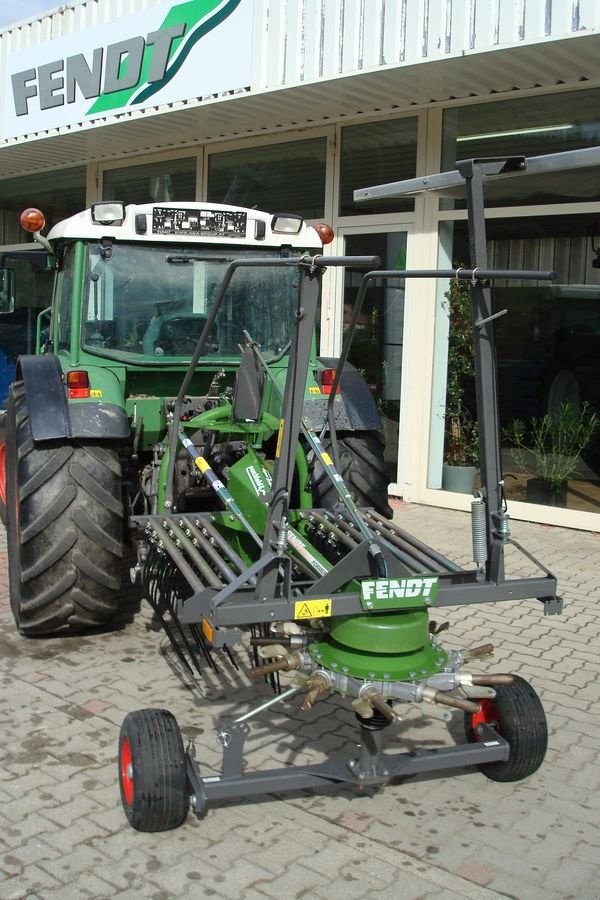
(336, 601)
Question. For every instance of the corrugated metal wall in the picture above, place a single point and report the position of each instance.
(307, 40)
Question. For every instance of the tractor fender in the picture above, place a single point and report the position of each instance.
(361, 411)
(53, 417)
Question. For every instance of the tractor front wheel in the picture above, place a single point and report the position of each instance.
(64, 528)
(363, 469)
(152, 771)
(517, 714)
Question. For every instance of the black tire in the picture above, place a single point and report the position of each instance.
(363, 469)
(64, 529)
(518, 715)
(152, 771)
(562, 387)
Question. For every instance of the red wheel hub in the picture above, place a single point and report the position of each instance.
(487, 715)
(3, 472)
(127, 772)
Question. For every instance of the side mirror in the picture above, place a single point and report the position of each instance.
(7, 290)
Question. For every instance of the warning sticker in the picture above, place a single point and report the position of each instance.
(314, 390)
(279, 439)
(94, 392)
(312, 609)
(202, 464)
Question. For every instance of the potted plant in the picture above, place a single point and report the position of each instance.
(461, 439)
(549, 448)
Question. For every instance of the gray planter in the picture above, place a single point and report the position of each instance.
(460, 479)
(541, 491)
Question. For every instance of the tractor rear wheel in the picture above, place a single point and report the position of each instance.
(363, 469)
(152, 771)
(517, 714)
(64, 528)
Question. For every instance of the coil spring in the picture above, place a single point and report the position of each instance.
(479, 530)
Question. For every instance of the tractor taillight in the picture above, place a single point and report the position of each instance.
(327, 379)
(78, 384)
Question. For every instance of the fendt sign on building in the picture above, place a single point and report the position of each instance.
(169, 52)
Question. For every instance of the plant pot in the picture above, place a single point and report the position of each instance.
(541, 491)
(460, 479)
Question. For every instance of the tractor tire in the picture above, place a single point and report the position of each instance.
(363, 469)
(152, 771)
(518, 715)
(64, 529)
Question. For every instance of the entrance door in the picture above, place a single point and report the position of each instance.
(378, 341)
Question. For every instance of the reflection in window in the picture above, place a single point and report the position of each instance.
(379, 337)
(40, 190)
(548, 352)
(377, 153)
(286, 177)
(159, 182)
(154, 302)
(527, 127)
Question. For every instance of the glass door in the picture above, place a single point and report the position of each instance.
(378, 341)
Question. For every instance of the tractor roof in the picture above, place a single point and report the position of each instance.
(187, 223)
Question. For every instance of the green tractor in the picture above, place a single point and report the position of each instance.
(85, 434)
(180, 398)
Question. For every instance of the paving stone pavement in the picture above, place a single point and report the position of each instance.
(63, 833)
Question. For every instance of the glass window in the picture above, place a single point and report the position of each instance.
(527, 127)
(64, 299)
(172, 179)
(286, 177)
(154, 301)
(548, 352)
(377, 153)
(58, 194)
(378, 340)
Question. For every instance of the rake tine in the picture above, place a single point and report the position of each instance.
(171, 637)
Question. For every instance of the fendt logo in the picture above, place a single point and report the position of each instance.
(131, 67)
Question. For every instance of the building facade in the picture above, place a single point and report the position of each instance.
(292, 105)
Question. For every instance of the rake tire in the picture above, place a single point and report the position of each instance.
(517, 714)
(152, 771)
(64, 528)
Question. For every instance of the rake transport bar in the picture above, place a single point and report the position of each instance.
(338, 597)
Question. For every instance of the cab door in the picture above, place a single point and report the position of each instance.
(32, 278)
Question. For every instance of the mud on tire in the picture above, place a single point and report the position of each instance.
(362, 467)
(64, 523)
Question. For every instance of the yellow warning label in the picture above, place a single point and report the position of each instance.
(202, 464)
(314, 390)
(95, 393)
(327, 459)
(279, 439)
(312, 609)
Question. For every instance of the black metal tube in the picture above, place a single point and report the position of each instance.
(428, 552)
(226, 548)
(196, 558)
(355, 262)
(207, 548)
(333, 528)
(177, 556)
(463, 273)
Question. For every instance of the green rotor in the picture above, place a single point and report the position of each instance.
(385, 647)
